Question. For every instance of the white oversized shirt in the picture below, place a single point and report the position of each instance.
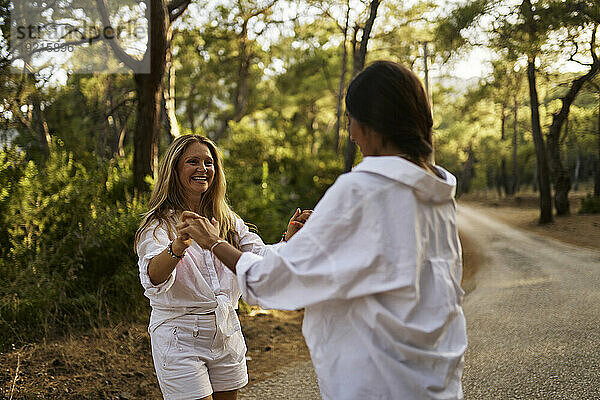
(378, 268)
(199, 283)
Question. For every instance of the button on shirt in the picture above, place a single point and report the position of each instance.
(200, 283)
(377, 267)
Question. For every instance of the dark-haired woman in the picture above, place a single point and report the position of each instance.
(378, 264)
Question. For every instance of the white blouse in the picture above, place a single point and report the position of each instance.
(199, 283)
(378, 268)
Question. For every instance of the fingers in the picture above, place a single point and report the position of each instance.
(185, 231)
(189, 214)
(297, 225)
(181, 225)
(303, 217)
(296, 214)
(293, 228)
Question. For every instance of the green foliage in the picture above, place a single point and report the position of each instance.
(67, 257)
(590, 204)
(269, 176)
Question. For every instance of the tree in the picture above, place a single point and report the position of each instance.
(149, 87)
(577, 19)
(596, 88)
(359, 55)
(343, 27)
(245, 56)
(543, 169)
(525, 29)
(516, 28)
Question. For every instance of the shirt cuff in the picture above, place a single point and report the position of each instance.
(151, 289)
(246, 261)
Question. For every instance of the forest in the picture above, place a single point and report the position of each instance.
(265, 80)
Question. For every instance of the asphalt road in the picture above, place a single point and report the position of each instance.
(533, 320)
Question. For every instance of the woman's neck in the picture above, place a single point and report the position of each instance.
(194, 205)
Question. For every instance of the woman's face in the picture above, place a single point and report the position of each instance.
(196, 170)
(359, 135)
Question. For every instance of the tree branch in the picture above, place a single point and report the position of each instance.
(128, 60)
(176, 8)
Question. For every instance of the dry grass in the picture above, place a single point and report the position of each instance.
(274, 340)
(472, 259)
(116, 363)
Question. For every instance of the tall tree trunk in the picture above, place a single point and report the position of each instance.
(534, 182)
(597, 175)
(543, 169)
(160, 15)
(515, 143)
(240, 94)
(342, 85)
(468, 171)
(562, 178)
(169, 98)
(577, 171)
(39, 124)
(190, 108)
(149, 89)
(359, 57)
(145, 139)
(503, 181)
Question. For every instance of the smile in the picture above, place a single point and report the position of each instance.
(203, 179)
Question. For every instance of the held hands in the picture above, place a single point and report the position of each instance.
(296, 223)
(198, 228)
(181, 242)
(206, 233)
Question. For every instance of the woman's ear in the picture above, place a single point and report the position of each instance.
(375, 138)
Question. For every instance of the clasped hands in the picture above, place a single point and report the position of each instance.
(205, 232)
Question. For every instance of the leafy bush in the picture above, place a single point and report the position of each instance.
(269, 176)
(590, 205)
(67, 258)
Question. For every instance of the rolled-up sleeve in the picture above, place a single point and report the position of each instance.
(274, 281)
(150, 245)
(342, 252)
(249, 241)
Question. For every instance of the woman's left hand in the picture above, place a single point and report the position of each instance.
(297, 222)
(203, 231)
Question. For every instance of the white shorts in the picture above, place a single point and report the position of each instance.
(191, 361)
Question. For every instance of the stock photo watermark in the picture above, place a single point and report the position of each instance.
(90, 36)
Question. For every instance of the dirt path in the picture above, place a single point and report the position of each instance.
(532, 316)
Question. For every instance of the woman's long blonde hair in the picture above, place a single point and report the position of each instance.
(167, 201)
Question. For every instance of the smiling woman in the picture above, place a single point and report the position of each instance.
(197, 344)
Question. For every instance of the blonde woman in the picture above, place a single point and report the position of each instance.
(197, 344)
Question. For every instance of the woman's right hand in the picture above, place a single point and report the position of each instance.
(183, 240)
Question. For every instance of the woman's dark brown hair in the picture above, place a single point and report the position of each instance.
(390, 99)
